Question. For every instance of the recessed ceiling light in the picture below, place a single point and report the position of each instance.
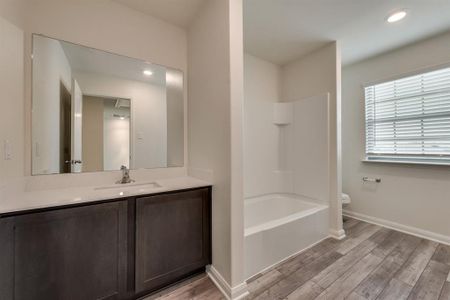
(147, 73)
(396, 16)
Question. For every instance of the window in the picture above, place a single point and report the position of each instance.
(408, 119)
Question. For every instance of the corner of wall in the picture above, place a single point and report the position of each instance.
(231, 293)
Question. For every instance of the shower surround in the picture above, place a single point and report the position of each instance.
(293, 213)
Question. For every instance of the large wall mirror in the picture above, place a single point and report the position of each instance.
(97, 111)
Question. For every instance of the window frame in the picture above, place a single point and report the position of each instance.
(436, 160)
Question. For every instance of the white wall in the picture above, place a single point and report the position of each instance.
(116, 143)
(312, 75)
(116, 138)
(215, 104)
(307, 143)
(261, 136)
(148, 114)
(414, 196)
(11, 100)
(50, 68)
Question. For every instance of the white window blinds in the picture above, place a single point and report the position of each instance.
(408, 119)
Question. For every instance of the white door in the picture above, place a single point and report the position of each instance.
(77, 121)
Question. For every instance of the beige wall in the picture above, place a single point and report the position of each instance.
(109, 26)
(92, 134)
(413, 196)
(11, 100)
(13, 11)
(312, 75)
(215, 104)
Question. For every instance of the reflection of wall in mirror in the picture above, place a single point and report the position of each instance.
(148, 115)
(50, 69)
(175, 118)
(116, 136)
(156, 122)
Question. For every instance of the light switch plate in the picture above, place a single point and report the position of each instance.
(7, 155)
(139, 135)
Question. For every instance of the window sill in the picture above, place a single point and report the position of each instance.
(402, 162)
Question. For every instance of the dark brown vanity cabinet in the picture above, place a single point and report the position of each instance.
(120, 249)
(174, 228)
(76, 253)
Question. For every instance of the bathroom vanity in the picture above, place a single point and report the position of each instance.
(85, 236)
(118, 248)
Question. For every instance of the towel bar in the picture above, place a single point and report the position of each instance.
(367, 179)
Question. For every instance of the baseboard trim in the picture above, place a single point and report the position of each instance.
(239, 292)
(429, 235)
(279, 263)
(337, 234)
(236, 293)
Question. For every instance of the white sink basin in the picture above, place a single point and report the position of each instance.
(128, 186)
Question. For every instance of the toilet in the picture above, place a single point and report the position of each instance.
(345, 199)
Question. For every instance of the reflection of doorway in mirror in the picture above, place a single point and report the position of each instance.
(106, 133)
(92, 134)
(77, 123)
(65, 139)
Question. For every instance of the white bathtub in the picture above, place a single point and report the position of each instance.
(278, 226)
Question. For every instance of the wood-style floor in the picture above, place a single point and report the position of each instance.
(370, 263)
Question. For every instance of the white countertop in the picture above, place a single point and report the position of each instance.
(17, 201)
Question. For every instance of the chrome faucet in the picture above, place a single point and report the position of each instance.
(125, 176)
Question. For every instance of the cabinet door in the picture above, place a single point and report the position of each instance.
(68, 254)
(6, 259)
(172, 237)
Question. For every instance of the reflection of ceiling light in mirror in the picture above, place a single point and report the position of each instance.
(174, 79)
(122, 117)
(78, 115)
(396, 16)
(148, 73)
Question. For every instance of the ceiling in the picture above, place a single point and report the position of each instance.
(284, 30)
(90, 60)
(178, 12)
